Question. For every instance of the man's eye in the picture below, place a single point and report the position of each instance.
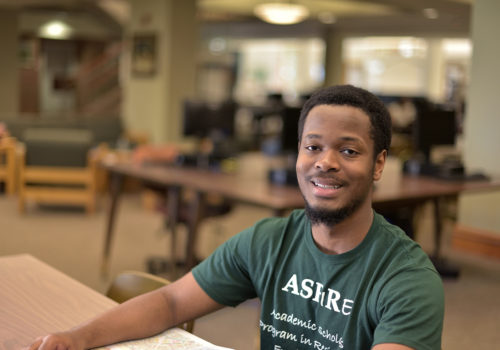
(349, 152)
(312, 148)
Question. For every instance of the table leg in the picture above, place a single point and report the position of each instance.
(173, 199)
(438, 227)
(197, 207)
(444, 267)
(115, 191)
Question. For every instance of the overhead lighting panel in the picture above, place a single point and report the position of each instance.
(281, 13)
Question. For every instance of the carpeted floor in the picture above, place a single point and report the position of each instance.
(72, 242)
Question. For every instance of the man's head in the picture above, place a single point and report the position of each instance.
(348, 95)
(344, 135)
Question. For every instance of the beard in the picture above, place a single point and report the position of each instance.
(332, 217)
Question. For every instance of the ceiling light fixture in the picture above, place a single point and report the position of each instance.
(281, 13)
(55, 30)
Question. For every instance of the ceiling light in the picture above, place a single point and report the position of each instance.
(281, 13)
(55, 30)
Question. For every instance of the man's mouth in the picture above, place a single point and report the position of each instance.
(326, 186)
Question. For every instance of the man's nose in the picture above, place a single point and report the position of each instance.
(328, 161)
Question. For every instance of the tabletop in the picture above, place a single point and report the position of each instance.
(36, 299)
(263, 193)
(388, 195)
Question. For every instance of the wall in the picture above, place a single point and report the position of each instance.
(9, 87)
(481, 142)
(152, 104)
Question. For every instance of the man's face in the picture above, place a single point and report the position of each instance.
(335, 166)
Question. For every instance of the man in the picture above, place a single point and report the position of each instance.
(333, 276)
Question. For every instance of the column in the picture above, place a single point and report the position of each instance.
(334, 69)
(481, 140)
(153, 99)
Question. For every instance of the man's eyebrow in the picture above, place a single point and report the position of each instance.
(351, 139)
(313, 136)
(343, 138)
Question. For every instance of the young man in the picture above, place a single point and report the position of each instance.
(333, 276)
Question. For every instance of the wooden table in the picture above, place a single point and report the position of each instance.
(411, 192)
(36, 299)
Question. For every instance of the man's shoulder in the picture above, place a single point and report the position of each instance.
(272, 232)
(389, 233)
(401, 251)
(382, 224)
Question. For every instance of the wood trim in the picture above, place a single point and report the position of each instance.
(476, 241)
(58, 175)
(57, 195)
(49, 184)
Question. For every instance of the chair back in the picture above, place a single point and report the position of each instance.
(130, 284)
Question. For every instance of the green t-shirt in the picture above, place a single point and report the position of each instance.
(385, 290)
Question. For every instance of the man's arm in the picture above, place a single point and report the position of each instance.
(139, 317)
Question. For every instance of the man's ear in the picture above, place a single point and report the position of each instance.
(379, 165)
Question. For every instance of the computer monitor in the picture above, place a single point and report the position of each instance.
(202, 119)
(194, 118)
(290, 129)
(222, 118)
(433, 128)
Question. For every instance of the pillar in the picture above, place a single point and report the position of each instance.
(481, 141)
(153, 99)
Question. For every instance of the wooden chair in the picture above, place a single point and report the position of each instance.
(8, 163)
(59, 184)
(130, 284)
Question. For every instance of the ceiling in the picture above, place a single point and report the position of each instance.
(367, 16)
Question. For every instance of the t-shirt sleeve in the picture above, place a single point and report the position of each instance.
(224, 275)
(410, 308)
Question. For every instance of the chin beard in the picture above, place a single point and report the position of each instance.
(331, 217)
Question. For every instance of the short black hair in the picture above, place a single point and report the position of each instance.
(348, 95)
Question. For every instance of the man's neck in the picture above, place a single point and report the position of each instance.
(345, 235)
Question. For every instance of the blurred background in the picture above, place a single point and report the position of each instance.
(87, 80)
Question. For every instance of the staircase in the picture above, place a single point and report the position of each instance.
(98, 90)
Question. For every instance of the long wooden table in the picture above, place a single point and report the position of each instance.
(410, 192)
(36, 299)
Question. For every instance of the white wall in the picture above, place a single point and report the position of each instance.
(144, 109)
(482, 126)
(152, 104)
